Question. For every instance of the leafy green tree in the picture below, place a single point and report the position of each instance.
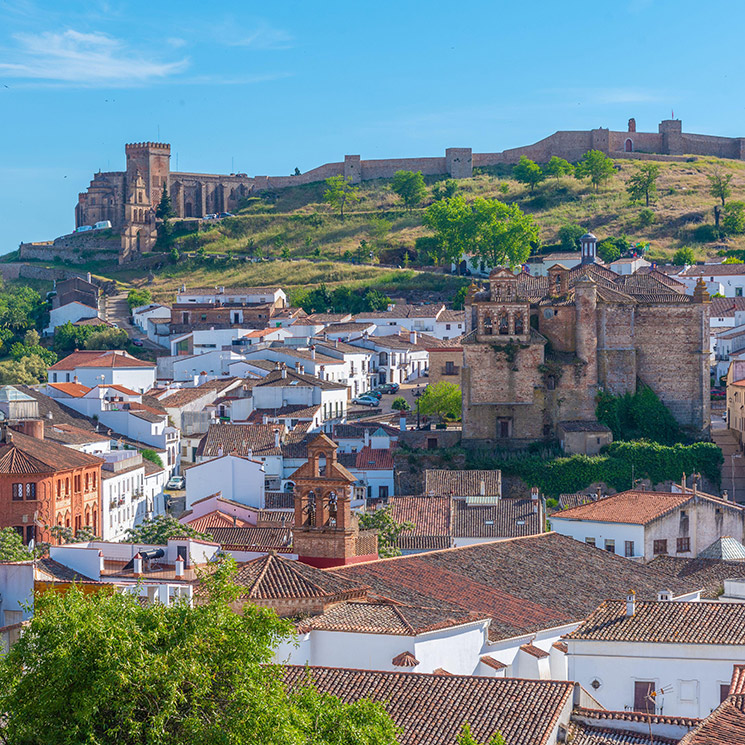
(430, 250)
(495, 232)
(608, 251)
(596, 166)
(569, 236)
(684, 256)
(400, 404)
(388, 530)
(528, 172)
(152, 456)
(31, 338)
(64, 534)
(137, 298)
(459, 299)
(732, 260)
(21, 308)
(340, 192)
(104, 668)
(410, 187)
(19, 350)
(12, 547)
(69, 337)
(159, 529)
(466, 738)
(443, 399)
(558, 167)
(444, 189)
(646, 218)
(6, 336)
(175, 254)
(107, 338)
(733, 221)
(28, 370)
(719, 187)
(643, 182)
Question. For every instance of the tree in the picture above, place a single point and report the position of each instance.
(684, 256)
(443, 399)
(18, 351)
(596, 166)
(159, 529)
(495, 232)
(12, 547)
(388, 530)
(732, 260)
(719, 187)
(164, 211)
(558, 167)
(608, 251)
(410, 187)
(152, 456)
(28, 370)
(733, 222)
(137, 298)
(444, 189)
(466, 738)
(104, 668)
(569, 236)
(31, 338)
(107, 338)
(400, 404)
(459, 299)
(528, 172)
(643, 182)
(340, 192)
(64, 534)
(21, 308)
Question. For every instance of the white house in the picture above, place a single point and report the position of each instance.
(143, 313)
(682, 652)
(434, 320)
(233, 296)
(72, 312)
(92, 368)
(357, 363)
(725, 279)
(645, 524)
(237, 478)
(310, 361)
(123, 501)
(628, 265)
(397, 359)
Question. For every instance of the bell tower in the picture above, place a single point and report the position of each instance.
(326, 531)
(139, 233)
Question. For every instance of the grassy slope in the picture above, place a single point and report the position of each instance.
(297, 222)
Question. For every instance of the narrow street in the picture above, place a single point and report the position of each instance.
(117, 311)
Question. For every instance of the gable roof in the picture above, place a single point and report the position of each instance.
(707, 574)
(725, 548)
(286, 376)
(26, 455)
(98, 358)
(462, 483)
(636, 507)
(252, 538)
(726, 724)
(667, 622)
(216, 519)
(76, 390)
(431, 709)
(227, 439)
(522, 583)
(602, 727)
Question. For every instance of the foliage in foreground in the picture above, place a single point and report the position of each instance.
(159, 529)
(12, 547)
(617, 466)
(388, 530)
(101, 668)
(443, 399)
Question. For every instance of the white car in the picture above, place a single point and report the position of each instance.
(176, 483)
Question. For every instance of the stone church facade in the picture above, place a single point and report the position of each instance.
(537, 350)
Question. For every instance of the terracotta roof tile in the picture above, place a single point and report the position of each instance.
(277, 500)
(726, 724)
(405, 659)
(253, 538)
(704, 622)
(430, 515)
(274, 518)
(24, 455)
(462, 483)
(492, 662)
(76, 390)
(534, 651)
(509, 518)
(216, 519)
(225, 439)
(737, 684)
(432, 708)
(707, 574)
(88, 358)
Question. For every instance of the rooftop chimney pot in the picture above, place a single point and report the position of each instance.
(631, 603)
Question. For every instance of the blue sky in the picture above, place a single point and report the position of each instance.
(264, 87)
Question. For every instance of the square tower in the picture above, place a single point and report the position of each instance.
(153, 161)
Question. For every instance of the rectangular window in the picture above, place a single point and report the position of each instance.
(660, 547)
(683, 545)
(643, 700)
(17, 491)
(628, 548)
(610, 545)
(738, 291)
(383, 492)
(447, 327)
(30, 491)
(29, 534)
(590, 541)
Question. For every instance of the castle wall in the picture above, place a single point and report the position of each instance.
(557, 325)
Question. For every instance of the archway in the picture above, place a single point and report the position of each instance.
(629, 147)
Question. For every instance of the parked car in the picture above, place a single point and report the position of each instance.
(374, 393)
(225, 214)
(176, 482)
(83, 228)
(365, 401)
(102, 225)
(388, 388)
(211, 216)
(138, 342)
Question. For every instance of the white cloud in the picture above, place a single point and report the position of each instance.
(263, 36)
(86, 59)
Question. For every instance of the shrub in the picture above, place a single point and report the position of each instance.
(569, 236)
(646, 217)
(705, 234)
(733, 221)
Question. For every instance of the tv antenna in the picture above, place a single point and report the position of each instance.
(652, 697)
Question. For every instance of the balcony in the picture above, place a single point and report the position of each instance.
(452, 370)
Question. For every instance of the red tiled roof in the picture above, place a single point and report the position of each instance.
(25, 455)
(737, 684)
(725, 725)
(667, 622)
(253, 538)
(120, 389)
(90, 358)
(442, 483)
(430, 515)
(492, 662)
(76, 390)
(634, 507)
(405, 659)
(707, 574)
(431, 709)
(374, 458)
(561, 646)
(216, 519)
(531, 649)
(238, 439)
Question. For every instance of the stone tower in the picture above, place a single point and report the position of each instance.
(153, 161)
(139, 232)
(589, 245)
(326, 532)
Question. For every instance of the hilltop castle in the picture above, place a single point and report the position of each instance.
(538, 349)
(128, 198)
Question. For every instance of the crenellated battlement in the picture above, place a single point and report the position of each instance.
(138, 146)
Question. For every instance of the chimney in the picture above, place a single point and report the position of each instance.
(300, 368)
(100, 562)
(336, 343)
(74, 378)
(276, 438)
(137, 564)
(402, 423)
(312, 351)
(179, 566)
(367, 438)
(220, 452)
(32, 428)
(483, 488)
(665, 595)
(534, 494)
(412, 337)
(222, 290)
(725, 495)
(250, 453)
(88, 277)
(631, 603)
(284, 372)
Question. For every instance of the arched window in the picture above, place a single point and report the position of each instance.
(519, 324)
(488, 328)
(310, 509)
(321, 465)
(332, 502)
(504, 324)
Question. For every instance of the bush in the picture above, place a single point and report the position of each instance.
(733, 222)
(683, 256)
(400, 404)
(646, 217)
(705, 234)
(136, 298)
(569, 236)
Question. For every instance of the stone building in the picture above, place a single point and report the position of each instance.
(539, 349)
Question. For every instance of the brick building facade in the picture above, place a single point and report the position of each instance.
(539, 349)
(43, 484)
